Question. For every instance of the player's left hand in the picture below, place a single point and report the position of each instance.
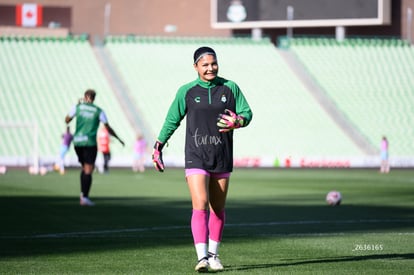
(230, 121)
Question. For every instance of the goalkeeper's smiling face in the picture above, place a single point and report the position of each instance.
(207, 67)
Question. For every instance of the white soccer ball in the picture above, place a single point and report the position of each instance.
(334, 198)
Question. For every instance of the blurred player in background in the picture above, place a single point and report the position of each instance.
(214, 107)
(88, 117)
(104, 140)
(64, 148)
(140, 151)
(385, 165)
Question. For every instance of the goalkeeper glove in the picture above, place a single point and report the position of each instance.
(230, 121)
(157, 156)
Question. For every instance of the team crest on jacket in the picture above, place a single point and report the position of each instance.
(223, 98)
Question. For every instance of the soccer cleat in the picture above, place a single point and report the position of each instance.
(86, 202)
(214, 262)
(202, 265)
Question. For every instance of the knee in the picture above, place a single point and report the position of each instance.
(88, 169)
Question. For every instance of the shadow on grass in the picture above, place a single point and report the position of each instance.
(29, 216)
(35, 225)
(407, 256)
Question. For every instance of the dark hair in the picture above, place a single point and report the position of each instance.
(202, 51)
(91, 94)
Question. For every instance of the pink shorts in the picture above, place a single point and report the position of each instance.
(197, 171)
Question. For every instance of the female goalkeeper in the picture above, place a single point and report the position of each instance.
(214, 107)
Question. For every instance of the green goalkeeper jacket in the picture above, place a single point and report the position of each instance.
(202, 102)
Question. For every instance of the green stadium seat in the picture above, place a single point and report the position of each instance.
(368, 82)
(41, 78)
(286, 118)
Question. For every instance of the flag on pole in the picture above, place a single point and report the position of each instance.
(29, 15)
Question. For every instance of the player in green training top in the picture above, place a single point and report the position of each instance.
(213, 107)
(88, 117)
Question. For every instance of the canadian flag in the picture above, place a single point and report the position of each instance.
(29, 15)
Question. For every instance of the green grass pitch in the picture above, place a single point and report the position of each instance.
(277, 223)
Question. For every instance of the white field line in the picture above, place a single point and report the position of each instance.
(96, 233)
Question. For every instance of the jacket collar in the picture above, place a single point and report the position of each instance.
(208, 84)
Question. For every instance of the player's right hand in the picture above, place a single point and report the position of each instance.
(157, 156)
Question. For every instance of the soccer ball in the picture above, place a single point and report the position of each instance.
(334, 198)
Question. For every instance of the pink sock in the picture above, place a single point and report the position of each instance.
(199, 226)
(216, 225)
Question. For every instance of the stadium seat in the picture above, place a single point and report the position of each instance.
(287, 120)
(41, 79)
(371, 82)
